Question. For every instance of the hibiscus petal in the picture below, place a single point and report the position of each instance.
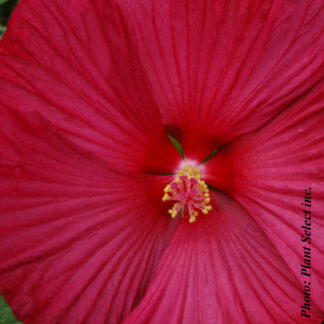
(76, 64)
(78, 243)
(219, 69)
(268, 171)
(222, 269)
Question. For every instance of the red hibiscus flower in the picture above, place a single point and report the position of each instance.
(103, 221)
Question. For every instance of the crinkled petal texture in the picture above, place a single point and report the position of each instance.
(223, 270)
(77, 65)
(87, 90)
(268, 172)
(222, 68)
(79, 244)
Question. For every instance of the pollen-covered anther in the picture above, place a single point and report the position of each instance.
(190, 193)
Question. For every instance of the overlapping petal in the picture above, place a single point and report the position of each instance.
(222, 270)
(78, 243)
(98, 83)
(77, 65)
(219, 69)
(268, 172)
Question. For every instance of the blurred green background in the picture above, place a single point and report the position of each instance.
(6, 8)
(6, 316)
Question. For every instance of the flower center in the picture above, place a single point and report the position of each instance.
(190, 193)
